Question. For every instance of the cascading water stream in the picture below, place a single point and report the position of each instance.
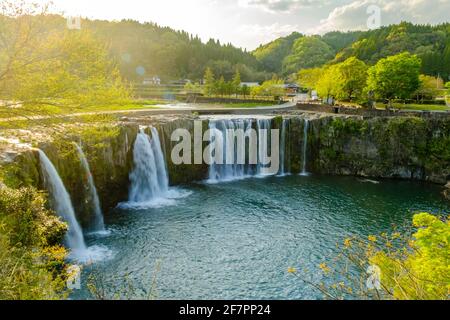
(220, 170)
(145, 184)
(283, 148)
(98, 223)
(305, 148)
(62, 204)
(149, 179)
(263, 126)
(161, 169)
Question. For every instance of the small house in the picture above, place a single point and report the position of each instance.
(154, 81)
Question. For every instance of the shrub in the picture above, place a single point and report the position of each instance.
(30, 255)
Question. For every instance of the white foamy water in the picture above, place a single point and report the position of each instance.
(93, 254)
(150, 179)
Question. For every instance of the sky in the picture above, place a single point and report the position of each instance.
(249, 23)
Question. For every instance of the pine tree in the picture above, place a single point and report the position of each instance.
(209, 82)
(236, 83)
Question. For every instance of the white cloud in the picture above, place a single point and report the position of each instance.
(275, 30)
(256, 34)
(277, 6)
(354, 16)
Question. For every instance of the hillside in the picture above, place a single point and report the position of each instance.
(145, 50)
(289, 54)
(292, 53)
(172, 54)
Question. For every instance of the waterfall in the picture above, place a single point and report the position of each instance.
(98, 224)
(161, 169)
(305, 148)
(149, 179)
(283, 148)
(62, 204)
(263, 126)
(220, 170)
(223, 132)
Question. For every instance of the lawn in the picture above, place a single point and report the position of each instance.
(416, 107)
(248, 104)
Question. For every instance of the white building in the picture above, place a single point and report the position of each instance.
(249, 84)
(155, 81)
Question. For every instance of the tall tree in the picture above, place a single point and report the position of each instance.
(352, 77)
(328, 86)
(308, 78)
(44, 65)
(221, 86)
(209, 82)
(395, 77)
(430, 87)
(236, 83)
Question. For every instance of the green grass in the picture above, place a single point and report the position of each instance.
(248, 104)
(416, 107)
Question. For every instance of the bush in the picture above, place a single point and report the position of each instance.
(413, 267)
(30, 255)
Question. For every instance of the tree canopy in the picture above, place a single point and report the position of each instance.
(307, 52)
(395, 77)
(44, 65)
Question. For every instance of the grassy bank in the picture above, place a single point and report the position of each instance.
(416, 107)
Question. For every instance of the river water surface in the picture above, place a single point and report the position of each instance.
(237, 240)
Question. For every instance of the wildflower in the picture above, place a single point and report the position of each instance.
(396, 235)
(292, 270)
(372, 238)
(324, 267)
(348, 243)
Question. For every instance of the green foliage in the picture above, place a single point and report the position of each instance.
(344, 81)
(32, 260)
(420, 271)
(272, 54)
(308, 78)
(351, 77)
(54, 67)
(410, 267)
(430, 87)
(327, 86)
(271, 88)
(430, 43)
(236, 82)
(208, 82)
(193, 88)
(307, 52)
(395, 76)
(170, 54)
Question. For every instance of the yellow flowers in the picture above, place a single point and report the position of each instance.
(292, 270)
(324, 268)
(348, 243)
(372, 238)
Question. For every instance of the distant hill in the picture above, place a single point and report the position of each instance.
(296, 51)
(172, 54)
(290, 54)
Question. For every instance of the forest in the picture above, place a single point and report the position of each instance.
(290, 54)
(145, 50)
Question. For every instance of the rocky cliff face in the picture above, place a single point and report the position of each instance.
(395, 147)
